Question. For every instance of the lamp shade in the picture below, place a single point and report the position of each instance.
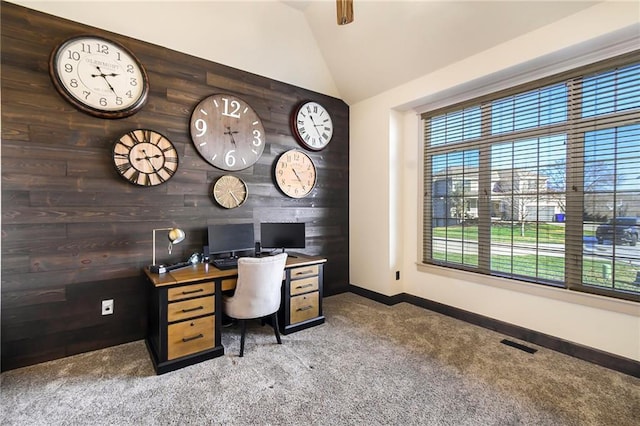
(176, 235)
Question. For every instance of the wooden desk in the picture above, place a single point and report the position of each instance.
(186, 305)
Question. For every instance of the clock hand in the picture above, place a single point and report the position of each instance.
(146, 157)
(104, 76)
(298, 177)
(230, 133)
(234, 197)
(315, 126)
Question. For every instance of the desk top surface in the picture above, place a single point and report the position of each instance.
(201, 271)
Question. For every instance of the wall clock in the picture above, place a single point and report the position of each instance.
(145, 158)
(312, 125)
(295, 173)
(230, 191)
(99, 76)
(227, 132)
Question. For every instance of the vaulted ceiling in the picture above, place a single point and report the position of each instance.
(395, 41)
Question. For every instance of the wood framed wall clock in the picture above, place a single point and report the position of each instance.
(230, 191)
(227, 132)
(312, 125)
(295, 173)
(145, 157)
(99, 76)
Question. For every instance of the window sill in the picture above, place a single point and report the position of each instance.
(561, 294)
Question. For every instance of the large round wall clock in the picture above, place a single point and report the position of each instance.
(295, 173)
(230, 191)
(99, 76)
(144, 157)
(312, 125)
(227, 132)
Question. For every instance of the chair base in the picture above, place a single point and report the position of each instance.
(243, 330)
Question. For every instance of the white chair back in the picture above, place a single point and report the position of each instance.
(258, 289)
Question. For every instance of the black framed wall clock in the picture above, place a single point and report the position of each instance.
(99, 76)
(145, 157)
(295, 173)
(230, 191)
(312, 125)
(227, 132)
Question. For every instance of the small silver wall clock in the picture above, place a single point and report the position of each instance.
(230, 191)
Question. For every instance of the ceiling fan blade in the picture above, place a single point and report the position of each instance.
(345, 11)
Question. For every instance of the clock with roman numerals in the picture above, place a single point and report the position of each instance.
(145, 157)
(312, 125)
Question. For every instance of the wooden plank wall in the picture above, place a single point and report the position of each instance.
(74, 232)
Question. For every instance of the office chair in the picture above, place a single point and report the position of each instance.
(258, 292)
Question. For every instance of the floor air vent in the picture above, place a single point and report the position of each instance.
(518, 346)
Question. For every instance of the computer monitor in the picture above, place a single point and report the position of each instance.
(230, 238)
(282, 235)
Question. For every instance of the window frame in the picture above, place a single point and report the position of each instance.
(574, 199)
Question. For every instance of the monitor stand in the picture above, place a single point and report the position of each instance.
(289, 254)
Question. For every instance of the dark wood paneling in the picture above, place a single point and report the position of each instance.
(74, 232)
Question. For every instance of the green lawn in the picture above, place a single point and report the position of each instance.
(546, 232)
(595, 272)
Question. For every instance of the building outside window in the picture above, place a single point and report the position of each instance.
(541, 182)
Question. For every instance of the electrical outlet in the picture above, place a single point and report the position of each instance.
(107, 307)
(397, 275)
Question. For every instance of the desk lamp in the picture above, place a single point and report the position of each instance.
(175, 236)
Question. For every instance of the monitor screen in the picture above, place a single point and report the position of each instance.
(230, 237)
(282, 235)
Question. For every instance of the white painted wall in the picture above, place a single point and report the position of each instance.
(267, 38)
(386, 156)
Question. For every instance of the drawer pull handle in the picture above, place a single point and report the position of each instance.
(308, 271)
(193, 309)
(188, 339)
(305, 286)
(304, 308)
(193, 291)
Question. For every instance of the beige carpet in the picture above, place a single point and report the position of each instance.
(369, 364)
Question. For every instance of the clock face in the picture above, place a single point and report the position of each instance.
(230, 191)
(295, 173)
(99, 76)
(227, 132)
(312, 125)
(145, 158)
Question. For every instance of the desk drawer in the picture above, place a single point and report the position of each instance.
(304, 307)
(304, 285)
(179, 311)
(189, 337)
(304, 271)
(188, 291)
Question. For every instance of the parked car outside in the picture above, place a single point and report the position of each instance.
(621, 230)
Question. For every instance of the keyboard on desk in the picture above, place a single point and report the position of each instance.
(225, 263)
